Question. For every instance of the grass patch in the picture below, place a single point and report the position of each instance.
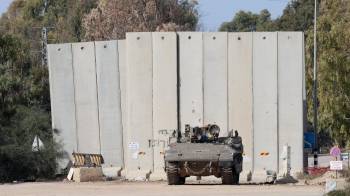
(345, 192)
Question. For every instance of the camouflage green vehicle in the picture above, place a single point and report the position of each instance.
(201, 152)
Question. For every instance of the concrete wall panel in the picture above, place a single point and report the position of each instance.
(191, 83)
(290, 96)
(138, 152)
(215, 80)
(164, 96)
(109, 99)
(62, 98)
(86, 97)
(123, 90)
(265, 102)
(240, 91)
(305, 162)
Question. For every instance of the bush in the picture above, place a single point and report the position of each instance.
(18, 161)
(345, 192)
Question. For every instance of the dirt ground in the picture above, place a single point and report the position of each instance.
(118, 188)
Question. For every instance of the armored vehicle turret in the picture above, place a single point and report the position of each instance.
(199, 151)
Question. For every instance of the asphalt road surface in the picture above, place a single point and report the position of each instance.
(116, 188)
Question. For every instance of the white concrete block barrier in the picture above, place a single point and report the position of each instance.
(86, 101)
(164, 97)
(109, 102)
(215, 76)
(290, 97)
(265, 112)
(138, 153)
(62, 99)
(124, 98)
(240, 93)
(191, 78)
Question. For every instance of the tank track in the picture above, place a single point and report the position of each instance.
(173, 176)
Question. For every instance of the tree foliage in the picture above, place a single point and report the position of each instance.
(297, 16)
(20, 119)
(18, 161)
(334, 69)
(112, 19)
(24, 82)
(248, 21)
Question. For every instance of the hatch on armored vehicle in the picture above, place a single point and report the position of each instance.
(199, 151)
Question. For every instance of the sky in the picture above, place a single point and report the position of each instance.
(4, 5)
(215, 12)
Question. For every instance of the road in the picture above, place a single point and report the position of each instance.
(116, 188)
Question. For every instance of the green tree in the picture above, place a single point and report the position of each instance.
(20, 120)
(66, 18)
(24, 84)
(334, 69)
(25, 20)
(248, 21)
(297, 16)
(112, 19)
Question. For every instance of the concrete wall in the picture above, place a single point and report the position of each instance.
(164, 96)
(123, 90)
(250, 82)
(265, 122)
(109, 102)
(138, 152)
(240, 91)
(191, 78)
(290, 95)
(86, 99)
(86, 103)
(215, 80)
(62, 98)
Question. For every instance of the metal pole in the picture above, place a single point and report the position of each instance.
(315, 86)
(348, 160)
(44, 38)
(336, 171)
(44, 46)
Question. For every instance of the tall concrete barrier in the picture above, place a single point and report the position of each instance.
(123, 92)
(240, 92)
(109, 102)
(86, 97)
(164, 97)
(215, 80)
(139, 151)
(191, 78)
(305, 121)
(62, 99)
(125, 98)
(290, 96)
(265, 119)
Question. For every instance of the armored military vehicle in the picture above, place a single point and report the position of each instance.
(199, 151)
